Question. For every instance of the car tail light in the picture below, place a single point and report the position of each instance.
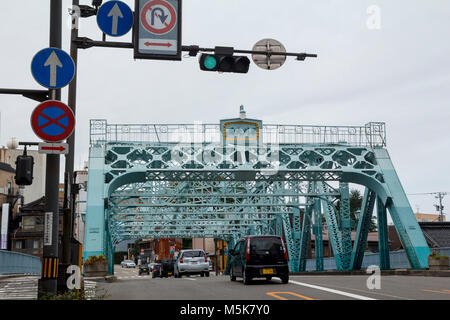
(206, 259)
(284, 249)
(247, 254)
(181, 260)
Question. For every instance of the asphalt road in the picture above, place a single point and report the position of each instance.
(131, 286)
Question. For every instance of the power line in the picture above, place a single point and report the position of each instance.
(424, 193)
(439, 207)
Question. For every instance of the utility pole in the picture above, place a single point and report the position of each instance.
(48, 281)
(69, 197)
(440, 207)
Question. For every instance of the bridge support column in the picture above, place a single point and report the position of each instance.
(362, 229)
(383, 240)
(296, 239)
(405, 222)
(305, 238)
(95, 237)
(346, 229)
(333, 228)
(317, 230)
(289, 240)
(231, 242)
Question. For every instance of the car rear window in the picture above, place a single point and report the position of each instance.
(193, 254)
(273, 245)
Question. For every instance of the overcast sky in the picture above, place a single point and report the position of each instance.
(398, 74)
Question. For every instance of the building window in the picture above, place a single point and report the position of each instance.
(18, 244)
(28, 223)
(9, 188)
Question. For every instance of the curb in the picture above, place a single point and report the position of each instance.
(101, 279)
(7, 276)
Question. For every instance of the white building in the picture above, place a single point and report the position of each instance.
(80, 204)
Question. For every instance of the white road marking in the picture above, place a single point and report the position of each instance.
(351, 295)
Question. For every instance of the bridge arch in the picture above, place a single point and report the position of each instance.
(286, 193)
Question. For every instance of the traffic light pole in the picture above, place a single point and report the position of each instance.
(85, 43)
(69, 197)
(48, 282)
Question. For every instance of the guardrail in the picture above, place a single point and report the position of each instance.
(19, 263)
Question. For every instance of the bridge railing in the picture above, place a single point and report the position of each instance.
(372, 134)
(19, 263)
(398, 260)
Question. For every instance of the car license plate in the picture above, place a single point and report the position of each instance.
(169, 273)
(267, 271)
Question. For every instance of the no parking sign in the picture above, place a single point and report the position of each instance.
(52, 121)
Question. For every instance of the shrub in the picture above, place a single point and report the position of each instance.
(96, 259)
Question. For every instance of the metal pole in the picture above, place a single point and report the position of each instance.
(48, 281)
(69, 163)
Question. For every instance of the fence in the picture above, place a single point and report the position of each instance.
(371, 134)
(399, 260)
(19, 263)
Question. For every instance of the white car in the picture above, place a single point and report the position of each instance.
(191, 262)
(128, 264)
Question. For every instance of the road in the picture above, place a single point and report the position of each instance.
(131, 286)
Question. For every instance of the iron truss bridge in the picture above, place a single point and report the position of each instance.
(243, 178)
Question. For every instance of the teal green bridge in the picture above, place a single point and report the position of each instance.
(242, 177)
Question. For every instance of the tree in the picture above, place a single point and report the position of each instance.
(135, 250)
(355, 205)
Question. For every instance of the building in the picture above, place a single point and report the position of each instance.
(437, 234)
(37, 189)
(81, 178)
(28, 238)
(427, 217)
(9, 196)
(205, 244)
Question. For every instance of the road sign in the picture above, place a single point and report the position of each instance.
(52, 68)
(269, 62)
(52, 121)
(48, 228)
(157, 33)
(115, 18)
(53, 148)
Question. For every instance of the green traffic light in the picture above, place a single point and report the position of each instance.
(210, 62)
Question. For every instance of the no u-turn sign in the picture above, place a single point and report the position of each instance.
(158, 29)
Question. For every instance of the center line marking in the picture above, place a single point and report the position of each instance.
(276, 295)
(351, 295)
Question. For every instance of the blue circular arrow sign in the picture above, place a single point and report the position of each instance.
(115, 18)
(52, 68)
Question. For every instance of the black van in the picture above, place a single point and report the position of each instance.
(259, 257)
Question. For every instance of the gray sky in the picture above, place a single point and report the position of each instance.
(399, 74)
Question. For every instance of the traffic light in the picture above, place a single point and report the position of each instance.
(24, 170)
(224, 63)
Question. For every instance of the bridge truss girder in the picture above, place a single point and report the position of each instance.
(157, 190)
